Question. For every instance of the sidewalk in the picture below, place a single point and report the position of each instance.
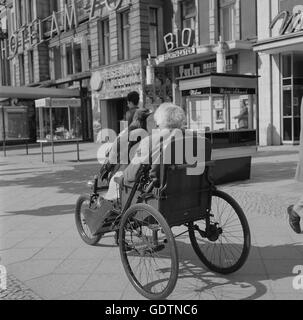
(40, 246)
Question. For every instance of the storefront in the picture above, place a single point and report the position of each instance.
(110, 87)
(18, 115)
(280, 49)
(216, 85)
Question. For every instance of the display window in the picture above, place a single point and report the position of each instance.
(59, 123)
(14, 123)
(221, 112)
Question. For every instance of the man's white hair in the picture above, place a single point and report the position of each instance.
(170, 116)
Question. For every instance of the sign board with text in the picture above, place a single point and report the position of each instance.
(117, 81)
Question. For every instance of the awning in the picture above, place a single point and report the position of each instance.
(285, 43)
(219, 83)
(36, 93)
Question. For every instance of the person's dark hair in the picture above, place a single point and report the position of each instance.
(139, 120)
(133, 97)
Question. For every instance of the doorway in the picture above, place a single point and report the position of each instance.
(292, 93)
(117, 109)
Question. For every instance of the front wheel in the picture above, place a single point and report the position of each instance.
(224, 247)
(148, 252)
(83, 203)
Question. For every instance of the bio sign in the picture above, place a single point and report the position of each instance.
(291, 22)
(179, 44)
(38, 30)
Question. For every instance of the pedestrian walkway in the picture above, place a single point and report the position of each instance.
(40, 247)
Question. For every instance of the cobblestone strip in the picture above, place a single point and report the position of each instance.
(16, 290)
(257, 203)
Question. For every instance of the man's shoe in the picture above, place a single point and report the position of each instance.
(294, 219)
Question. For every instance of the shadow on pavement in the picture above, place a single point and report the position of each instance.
(68, 181)
(197, 282)
(44, 212)
(242, 285)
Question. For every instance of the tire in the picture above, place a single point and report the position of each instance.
(83, 230)
(139, 247)
(232, 246)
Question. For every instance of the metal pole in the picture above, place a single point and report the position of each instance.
(52, 134)
(26, 144)
(78, 151)
(4, 136)
(42, 154)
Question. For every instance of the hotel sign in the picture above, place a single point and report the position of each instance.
(39, 31)
(292, 22)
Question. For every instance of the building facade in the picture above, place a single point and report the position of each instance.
(198, 54)
(280, 51)
(172, 46)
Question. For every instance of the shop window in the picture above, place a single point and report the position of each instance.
(31, 71)
(199, 115)
(154, 31)
(104, 36)
(227, 19)
(188, 14)
(78, 59)
(21, 69)
(124, 36)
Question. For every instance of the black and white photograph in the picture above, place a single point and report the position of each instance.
(151, 150)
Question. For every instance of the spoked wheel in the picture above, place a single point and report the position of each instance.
(148, 252)
(83, 203)
(225, 248)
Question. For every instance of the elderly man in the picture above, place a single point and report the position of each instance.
(169, 119)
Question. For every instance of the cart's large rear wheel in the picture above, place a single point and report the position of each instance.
(148, 252)
(226, 246)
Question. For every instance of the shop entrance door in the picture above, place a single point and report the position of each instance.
(117, 110)
(292, 86)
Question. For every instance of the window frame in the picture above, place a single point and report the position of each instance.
(189, 17)
(159, 28)
(104, 40)
(123, 30)
(21, 61)
(231, 7)
(31, 66)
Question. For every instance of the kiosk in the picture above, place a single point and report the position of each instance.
(224, 106)
(58, 120)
